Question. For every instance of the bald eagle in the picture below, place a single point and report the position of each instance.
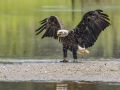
(84, 35)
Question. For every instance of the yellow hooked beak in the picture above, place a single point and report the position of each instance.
(58, 33)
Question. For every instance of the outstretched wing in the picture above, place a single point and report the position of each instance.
(51, 25)
(91, 25)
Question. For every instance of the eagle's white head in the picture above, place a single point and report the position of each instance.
(62, 33)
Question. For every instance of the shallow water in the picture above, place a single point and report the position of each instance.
(10, 60)
(64, 85)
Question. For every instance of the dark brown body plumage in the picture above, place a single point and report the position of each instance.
(69, 40)
(84, 34)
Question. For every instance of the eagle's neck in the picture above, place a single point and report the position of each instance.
(69, 39)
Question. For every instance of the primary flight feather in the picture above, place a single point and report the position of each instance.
(84, 35)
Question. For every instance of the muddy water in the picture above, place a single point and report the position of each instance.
(65, 85)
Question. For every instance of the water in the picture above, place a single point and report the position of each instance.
(64, 85)
(20, 19)
(18, 42)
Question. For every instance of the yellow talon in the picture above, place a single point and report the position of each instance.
(83, 51)
(86, 51)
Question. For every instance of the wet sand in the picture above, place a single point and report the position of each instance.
(107, 71)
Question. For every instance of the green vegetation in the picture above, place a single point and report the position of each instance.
(19, 19)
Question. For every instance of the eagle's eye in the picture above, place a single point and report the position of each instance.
(62, 33)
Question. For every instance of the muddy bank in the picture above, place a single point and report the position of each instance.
(108, 71)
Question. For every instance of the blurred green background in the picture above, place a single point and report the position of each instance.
(20, 18)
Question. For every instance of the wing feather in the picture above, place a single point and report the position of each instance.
(91, 25)
(41, 28)
(51, 25)
(43, 20)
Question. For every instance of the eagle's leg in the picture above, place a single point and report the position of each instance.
(74, 51)
(64, 54)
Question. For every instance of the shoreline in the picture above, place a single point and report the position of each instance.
(105, 71)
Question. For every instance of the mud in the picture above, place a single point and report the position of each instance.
(107, 71)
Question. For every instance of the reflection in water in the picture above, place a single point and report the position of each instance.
(61, 86)
(47, 86)
(58, 86)
(19, 20)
